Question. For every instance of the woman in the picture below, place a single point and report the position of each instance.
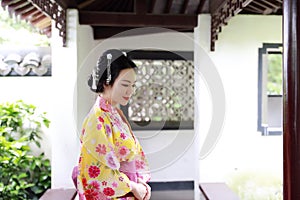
(112, 164)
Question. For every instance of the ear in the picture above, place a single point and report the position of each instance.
(106, 86)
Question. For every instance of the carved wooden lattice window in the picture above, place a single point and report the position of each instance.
(164, 97)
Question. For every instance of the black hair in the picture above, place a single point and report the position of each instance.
(119, 62)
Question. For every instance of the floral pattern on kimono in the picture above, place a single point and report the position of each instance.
(110, 155)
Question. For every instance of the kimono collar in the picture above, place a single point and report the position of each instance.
(105, 105)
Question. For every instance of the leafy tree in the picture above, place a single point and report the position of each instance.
(15, 31)
(22, 175)
(274, 85)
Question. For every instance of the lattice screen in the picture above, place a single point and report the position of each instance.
(165, 91)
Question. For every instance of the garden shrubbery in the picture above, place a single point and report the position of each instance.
(22, 174)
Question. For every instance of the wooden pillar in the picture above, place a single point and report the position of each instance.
(291, 100)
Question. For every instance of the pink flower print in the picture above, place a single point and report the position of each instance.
(108, 191)
(101, 149)
(104, 183)
(104, 105)
(108, 130)
(112, 161)
(141, 176)
(123, 151)
(100, 119)
(99, 126)
(95, 185)
(94, 171)
(84, 182)
(114, 184)
(92, 194)
(121, 178)
(83, 131)
(81, 196)
(117, 122)
(123, 136)
(139, 164)
(111, 147)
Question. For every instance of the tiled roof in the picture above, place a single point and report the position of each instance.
(25, 63)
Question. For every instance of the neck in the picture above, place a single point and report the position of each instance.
(108, 99)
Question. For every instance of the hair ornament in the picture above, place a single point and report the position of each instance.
(124, 53)
(95, 76)
(108, 79)
(94, 85)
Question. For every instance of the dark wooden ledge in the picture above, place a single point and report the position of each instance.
(59, 194)
(217, 191)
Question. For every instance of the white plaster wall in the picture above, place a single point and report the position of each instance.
(240, 146)
(64, 101)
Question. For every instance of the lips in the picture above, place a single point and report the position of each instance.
(126, 98)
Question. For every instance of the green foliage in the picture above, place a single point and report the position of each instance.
(256, 185)
(15, 31)
(22, 175)
(274, 85)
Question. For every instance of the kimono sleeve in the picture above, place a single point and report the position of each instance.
(99, 165)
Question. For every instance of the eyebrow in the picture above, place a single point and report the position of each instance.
(127, 81)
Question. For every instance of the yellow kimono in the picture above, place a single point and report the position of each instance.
(110, 155)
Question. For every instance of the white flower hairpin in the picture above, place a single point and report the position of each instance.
(108, 79)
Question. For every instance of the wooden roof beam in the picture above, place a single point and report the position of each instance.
(152, 5)
(140, 7)
(246, 2)
(18, 4)
(256, 8)
(38, 20)
(272, 4)
(101, 32)
(85, 4)
(23, 9)
(43, 23)
(29, 13)
(7, 2)
(105, 32)
(266, 10)
(67, 3)
(168, 6)
(263, 6)
(203, 6)
(184, 7)
(252, 10)
(132, 20)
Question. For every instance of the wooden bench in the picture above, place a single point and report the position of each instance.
(217, 191)
(59, 194)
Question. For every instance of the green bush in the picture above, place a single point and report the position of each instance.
(22, 175)
(256, 185)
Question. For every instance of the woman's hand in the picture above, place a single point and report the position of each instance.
(148, 194)
(138, 190)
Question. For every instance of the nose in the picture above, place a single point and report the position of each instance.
(130, 90)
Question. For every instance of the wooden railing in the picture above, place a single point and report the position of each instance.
(59, 194)
(217, 191)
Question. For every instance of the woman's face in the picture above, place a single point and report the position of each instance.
(123, 87)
